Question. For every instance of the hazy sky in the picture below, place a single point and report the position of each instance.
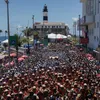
(21, 12)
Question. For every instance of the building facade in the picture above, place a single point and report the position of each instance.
(90, 21)
(46, 27)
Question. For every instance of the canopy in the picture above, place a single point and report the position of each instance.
(5, 41)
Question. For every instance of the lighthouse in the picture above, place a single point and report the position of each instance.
(45, 14)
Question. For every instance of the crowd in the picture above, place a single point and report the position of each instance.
(56, 72)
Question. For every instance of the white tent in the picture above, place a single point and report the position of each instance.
(52, 36)
(59, 36)
(5, 41)
(64, 37)
(69, 36)
(56, 36)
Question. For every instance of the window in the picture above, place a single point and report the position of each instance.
(35, 27)
(94, 37)
(90, 7)
(92, 31)
(97, 38)
(98, 5)
(59, 26)
(97, 24)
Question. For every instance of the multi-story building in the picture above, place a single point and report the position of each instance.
(46, 27)
(90, 21)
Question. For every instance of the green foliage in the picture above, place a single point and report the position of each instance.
(6, 31)
(28, 31)
(24, 40)
(5, 45)
(18, 39)
(0, 31)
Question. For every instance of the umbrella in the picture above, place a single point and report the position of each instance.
(98, 75)
(12, 63)
(67, 44)
(7, 64)
(13, 54)
(20, 59)
(88, 55)
(90, 58)
(41, 44)
(24, 56)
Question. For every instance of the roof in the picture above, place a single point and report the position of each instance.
(50, 23)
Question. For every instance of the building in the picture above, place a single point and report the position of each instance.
(46, 27)
(90, 22)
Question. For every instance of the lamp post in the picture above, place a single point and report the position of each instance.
(33, 28)
(7, 2)
(99, 23)
(79, 29)
(27, 29)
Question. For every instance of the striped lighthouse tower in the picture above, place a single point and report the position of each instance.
(45, 14)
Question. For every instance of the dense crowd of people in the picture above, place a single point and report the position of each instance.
(56, 72)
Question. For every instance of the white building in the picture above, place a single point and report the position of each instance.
(46, 27)
(91, 21)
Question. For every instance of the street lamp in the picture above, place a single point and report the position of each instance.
(7, 2)
(79, 29)
(33, 28)
(99, 24)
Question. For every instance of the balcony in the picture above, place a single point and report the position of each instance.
(87, 20)
(82, 1)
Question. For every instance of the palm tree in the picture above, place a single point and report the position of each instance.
(0, 31)
(27, 31)
(5, 33)
(18, 39)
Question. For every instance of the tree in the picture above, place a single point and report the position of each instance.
(28, 31)
(5, 33)
(19, 40)
(5, 45)
(0, 31)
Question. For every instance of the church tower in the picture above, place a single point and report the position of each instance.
(45, 14)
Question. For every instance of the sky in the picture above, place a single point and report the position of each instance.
(21, 12)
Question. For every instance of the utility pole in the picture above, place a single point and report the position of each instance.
(79, 29)
(33, 28)
(7, 2)
(17, 47)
